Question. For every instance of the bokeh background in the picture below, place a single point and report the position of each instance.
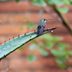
(21, 17)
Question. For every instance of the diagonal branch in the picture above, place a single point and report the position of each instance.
(64, 21)
(15, 43)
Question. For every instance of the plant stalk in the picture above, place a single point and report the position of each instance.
(63, 19)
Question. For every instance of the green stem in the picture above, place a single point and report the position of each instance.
(15, 43)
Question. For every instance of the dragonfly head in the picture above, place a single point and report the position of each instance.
(43, 22)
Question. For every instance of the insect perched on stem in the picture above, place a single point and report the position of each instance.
(41, 27)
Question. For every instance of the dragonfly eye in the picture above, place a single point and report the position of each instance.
(45, 20)
(42, 22)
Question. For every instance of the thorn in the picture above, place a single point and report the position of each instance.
(34, 30)
(1, 43)
(18, 35)
(13, 36)
(50, 30)
(0, 60)
(25, 34)
(4, 41)
(9, 38)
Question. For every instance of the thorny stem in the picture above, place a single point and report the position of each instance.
(6, 51)
(49, 30)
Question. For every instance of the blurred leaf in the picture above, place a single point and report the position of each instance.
(61, 62)
(66, 2)
(17, 0)
(47, 37)
(59, 52)
(63, 10)
(33, 46)
(43, 52)
(61, 59)
(50, 45)
(63, 46)
(50, 38)
(69, 52)
(56, 38)
(32, 58)
(51, 2)
(31, 25)
(39, 2)
(70, 1)
(57, 2)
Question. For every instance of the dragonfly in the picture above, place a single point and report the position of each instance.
(41, 27)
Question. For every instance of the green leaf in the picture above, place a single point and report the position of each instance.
(63, 10)
(69, 52)
(70, 1)
(47, 37)
(56, 38)
(50, 45)
(15, 43)
(66, 2)
(33, 47)
(56, 2)
(31, 58)
(59, 53)
(51, 38)
(43, 52)
(39, 2)
(17, 0)
(31, 25)
(63, 46)
(61, 61)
